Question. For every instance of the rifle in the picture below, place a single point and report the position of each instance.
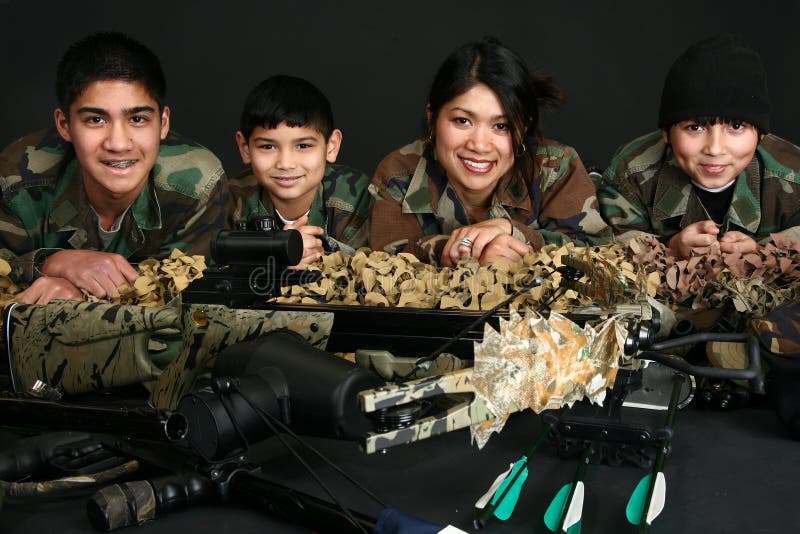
(77, 347)
(145, 440)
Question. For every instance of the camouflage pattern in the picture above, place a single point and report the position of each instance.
(390, 367)
(416, 208)
(81, 346)
(779, 330)
(208, 328)
(44, 206)
(644, 190)
(341, 206)
(466, 413)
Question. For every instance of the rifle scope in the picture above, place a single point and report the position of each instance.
(252, 247)
(313, 392)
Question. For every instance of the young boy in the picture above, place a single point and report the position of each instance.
(109, 183)
(712, 173)
(287, 137)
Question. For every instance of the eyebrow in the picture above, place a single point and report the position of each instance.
(298, 140)
(472, 113)
(130, 111)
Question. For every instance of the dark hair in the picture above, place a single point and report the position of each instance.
(289, 99)
(108, 56)
(501, 69)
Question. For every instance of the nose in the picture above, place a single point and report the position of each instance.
(479, 140)
(119, 138)
(714, 141)
(285, 160)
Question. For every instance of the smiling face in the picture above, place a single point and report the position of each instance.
(713, 155)
(289, 162)
(473, 143)
(116, 129)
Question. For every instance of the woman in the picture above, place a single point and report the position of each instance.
(484, 183)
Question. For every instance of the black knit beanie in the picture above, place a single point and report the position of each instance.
(717, 77)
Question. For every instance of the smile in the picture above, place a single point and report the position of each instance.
(124, 164)
(714, 169)
(480, 167)
(286, 180)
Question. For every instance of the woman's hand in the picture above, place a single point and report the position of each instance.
(698, 236)
(312, 245)
(477, 237)
(504, 247)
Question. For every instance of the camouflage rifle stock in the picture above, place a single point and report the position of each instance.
(79, 346)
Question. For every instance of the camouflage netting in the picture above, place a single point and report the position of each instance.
(754, 283)
(375, 278)
(159, 281)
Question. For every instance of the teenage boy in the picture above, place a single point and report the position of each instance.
(287, 137)
(109, 184)
(712, 173)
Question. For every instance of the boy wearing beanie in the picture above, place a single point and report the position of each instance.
(712, 172)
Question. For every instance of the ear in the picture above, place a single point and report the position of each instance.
(333, 146)
(244, 148)
(665, 135)
(62, 124)
(428, 112)
(164, 122)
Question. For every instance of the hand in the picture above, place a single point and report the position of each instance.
(99, 273)
(697, 236)
(504, 247)
(481, 234)
(737, 242)
(47, 288)
(312, 245)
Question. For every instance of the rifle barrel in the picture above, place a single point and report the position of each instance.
(45, 415)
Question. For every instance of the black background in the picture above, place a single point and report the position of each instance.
(375, 60)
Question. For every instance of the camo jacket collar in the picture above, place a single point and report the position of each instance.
(429, 189)
(262, 206)
(70, 213)
(675, 197)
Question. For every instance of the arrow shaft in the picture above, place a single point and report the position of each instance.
(579, 474)
(495, 502)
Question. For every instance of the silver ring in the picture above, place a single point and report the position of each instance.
(466, 242)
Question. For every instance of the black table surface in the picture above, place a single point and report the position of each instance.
(728, 472)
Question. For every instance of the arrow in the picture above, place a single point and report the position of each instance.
(505, 490)
(564, 513)
(649, 496)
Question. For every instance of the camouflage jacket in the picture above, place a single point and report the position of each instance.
(341, 206)
(417, 209)
(44, 205)
(645, 190)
